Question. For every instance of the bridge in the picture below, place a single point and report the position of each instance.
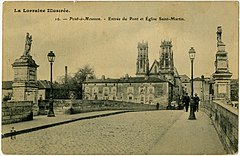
(128, 132)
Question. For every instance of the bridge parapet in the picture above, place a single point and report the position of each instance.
(225, 121)
(16, 111)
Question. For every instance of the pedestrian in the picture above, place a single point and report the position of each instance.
(178, 102)
(157, 106)
(186, 100)
(196, 100)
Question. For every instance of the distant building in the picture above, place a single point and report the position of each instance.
(201, 86)
(198, 86)
(43, 89)
(7, 89)
(186, 83)
(234, 89)
(147, 90)
(158, 84)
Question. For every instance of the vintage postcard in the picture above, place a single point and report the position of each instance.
(119, 78)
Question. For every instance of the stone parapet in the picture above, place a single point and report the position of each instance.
(225, 120)
(16, 111)
(66, 106)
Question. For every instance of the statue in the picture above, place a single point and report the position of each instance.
(219, 34)
(28, 44)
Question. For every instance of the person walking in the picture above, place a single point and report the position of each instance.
(157, 106)
(186, 100)
(178, 100)
(196, 100)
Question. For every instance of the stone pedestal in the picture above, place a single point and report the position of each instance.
(222, 75)
(25, 86)
(222, 87)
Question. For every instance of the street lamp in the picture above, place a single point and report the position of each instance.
(51, 58)
(192, 103)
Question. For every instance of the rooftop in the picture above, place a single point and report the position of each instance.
(127, 80)
(43, 84)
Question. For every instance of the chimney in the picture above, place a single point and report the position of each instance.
(65, 74)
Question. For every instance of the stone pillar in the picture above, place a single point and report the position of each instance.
(25, 86)
(222, 75)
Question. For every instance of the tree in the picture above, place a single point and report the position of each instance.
(80, 76)
(73, 84)
(60, 90)
(83, 73)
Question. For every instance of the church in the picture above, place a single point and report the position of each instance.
(158, 83)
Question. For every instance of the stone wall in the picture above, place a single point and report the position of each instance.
(60, 106)
(225, 120)
(88, 105)
(16, 111)
(79, 106)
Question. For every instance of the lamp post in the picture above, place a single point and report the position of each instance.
(51, 58)
(192, 103)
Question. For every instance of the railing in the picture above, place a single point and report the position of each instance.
(225, 121)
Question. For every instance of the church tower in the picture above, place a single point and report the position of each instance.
(166, 66)
(142, 59)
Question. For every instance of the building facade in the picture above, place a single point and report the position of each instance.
(43, 89)
(186, 84)
(146, 90)
(160, 83)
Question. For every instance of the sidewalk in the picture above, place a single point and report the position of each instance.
(190, 137)
(42, 121)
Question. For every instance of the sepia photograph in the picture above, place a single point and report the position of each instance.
(120, 77)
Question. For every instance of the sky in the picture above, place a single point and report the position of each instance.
(110, 47)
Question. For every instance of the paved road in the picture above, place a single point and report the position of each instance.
(129, 133)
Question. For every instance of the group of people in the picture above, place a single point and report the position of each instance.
(195, 102)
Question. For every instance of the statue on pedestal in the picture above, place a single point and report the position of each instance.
(28, 44)
(219, 34)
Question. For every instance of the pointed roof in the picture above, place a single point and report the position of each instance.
(176, 72)
(155, 62)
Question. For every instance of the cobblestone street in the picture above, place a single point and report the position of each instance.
(128, 133)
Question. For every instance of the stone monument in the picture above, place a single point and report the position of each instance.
(25, 86)
(222, 75)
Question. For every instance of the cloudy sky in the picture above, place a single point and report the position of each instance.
(110, 47)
